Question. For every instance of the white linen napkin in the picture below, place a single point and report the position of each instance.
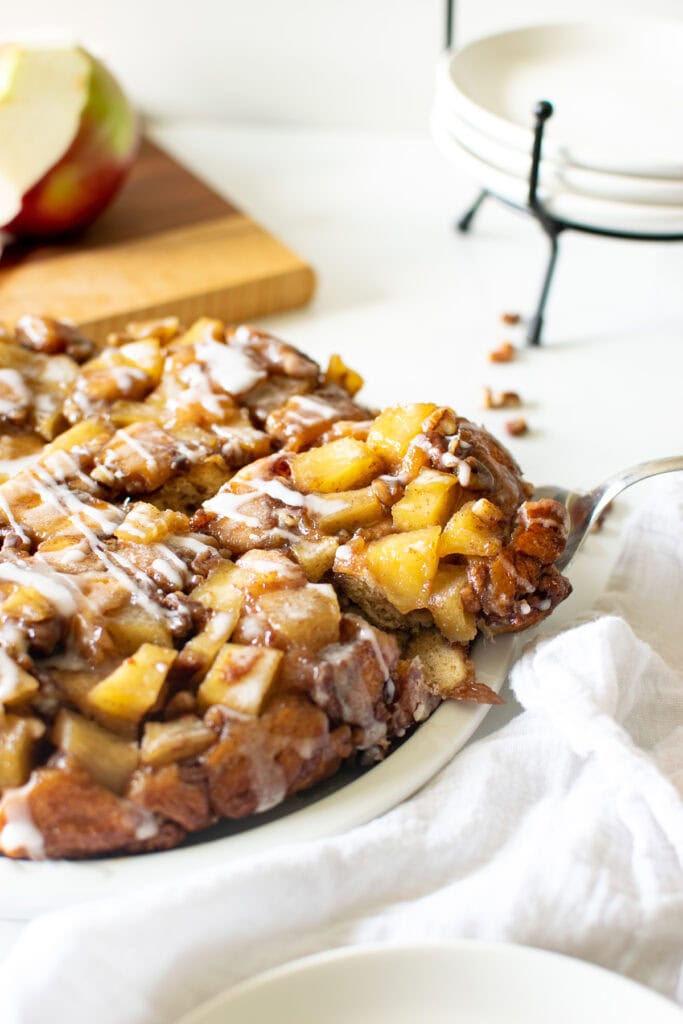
(564, 830)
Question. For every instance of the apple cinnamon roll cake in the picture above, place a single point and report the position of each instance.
(221, 576)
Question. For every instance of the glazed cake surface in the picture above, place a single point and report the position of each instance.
(221, 576)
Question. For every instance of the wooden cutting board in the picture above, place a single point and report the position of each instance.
(168, 245)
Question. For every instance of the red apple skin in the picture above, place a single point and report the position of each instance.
(82, 183)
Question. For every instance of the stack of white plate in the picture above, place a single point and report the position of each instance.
(613, 149)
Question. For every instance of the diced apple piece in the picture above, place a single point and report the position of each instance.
(446, 666)
(467, 534)
(404, 566)
(164, 329)
(80, 435)
(445, 604)
(123, 413)
(241, 678)
(338, 466)
(345, 510)
(131, 626)
(137, 458)
(308, 616)
(165, 742)
(146, 524)
(218, 592)
(108, 759)
(16, 685)
(18, 738)
(339, 373)
(203, 329)
(134, 688)
(27, 603)
(316, 557)
(197, 655)
(428, 501)
(146, 356)
(258, 570)
(488, 513)
(395, 427)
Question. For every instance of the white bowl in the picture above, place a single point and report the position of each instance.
(442, 983)
(616, 87)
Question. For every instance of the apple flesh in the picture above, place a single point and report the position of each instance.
(69, 137)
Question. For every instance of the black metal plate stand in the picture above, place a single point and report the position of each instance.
(551, 225)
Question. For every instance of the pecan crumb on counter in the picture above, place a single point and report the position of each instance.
(501, 400)
(510, 319)
(517, 427)
(505, 353)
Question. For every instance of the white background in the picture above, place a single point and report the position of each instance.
(365, 63)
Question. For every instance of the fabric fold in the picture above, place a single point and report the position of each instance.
(564, 830)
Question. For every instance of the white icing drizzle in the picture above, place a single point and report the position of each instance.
(121, 569)
(126, 376)
(168, 572)
(9, 676)
(232, 369)
(148, 826)
(139, 449)
(20, 832)
(70, 556)
(305, 746)
(227, 503)
(366, 632)
(310, 409)
(319, 506)
(13, 466)
(197, 391)
(520, 580)
(12, 382)
(277, 490)
(266, 777)
(464, 474)
(61, 465)
(58, 594)
(544, 522)
(11, 519)
(271, 563)
(353, 699)
(343, 555)
(192, 543)
(11, 635)
(65, 501)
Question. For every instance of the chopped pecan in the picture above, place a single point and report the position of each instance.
(505, 353)
(517, 427)
(502, 400)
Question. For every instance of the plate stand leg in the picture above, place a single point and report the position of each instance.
(470, 213)
(535, 328)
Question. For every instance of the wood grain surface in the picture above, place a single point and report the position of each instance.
(167, 245)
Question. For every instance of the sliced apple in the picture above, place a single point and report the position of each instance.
(69, 136)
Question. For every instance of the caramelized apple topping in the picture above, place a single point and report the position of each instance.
(221, 576)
